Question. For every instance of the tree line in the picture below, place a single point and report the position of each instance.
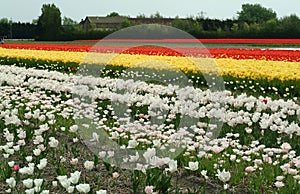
(253, 21)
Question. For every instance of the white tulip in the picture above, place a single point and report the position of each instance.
(42, 164)
(28, 183)
(101, 191)
(64, 181)
(224, 176)
(29, 191)
(172, 166)
(74, 178)
(132, 143)
(37, 152)
(70, 189)
(38, 182)
(11, 182)
(89, 165)
(83, 188)
(193, 166)
(53, 143)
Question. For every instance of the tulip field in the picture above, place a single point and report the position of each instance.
(227, 125)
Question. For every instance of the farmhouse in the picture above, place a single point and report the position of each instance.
(111, 23)
(103, 23)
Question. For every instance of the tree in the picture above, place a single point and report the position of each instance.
(290, 25)
(189, 25)
(4, 21)
(68, 21)
(255, 13)
(245, 27)
(49, 23)
(126, 23)
(156, 15)
(34, 21)
(271, 28)
(235, 27)
(200, 15)
(141, 15)
(113, 14)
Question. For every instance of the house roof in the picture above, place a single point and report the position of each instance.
(112, 20)
(151, 20)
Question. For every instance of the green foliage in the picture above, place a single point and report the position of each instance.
(254, 21)
(255, 13)
(290, 25)
(189, 25)
(4, 21)
(235, 27)
(113, 14)
(49, 23)
(34, 21)
(17, 30)
(141, 15)
(156, 15)
(69, 21)
(271, 27)
(126, 23)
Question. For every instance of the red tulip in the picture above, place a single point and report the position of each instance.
(16, 168)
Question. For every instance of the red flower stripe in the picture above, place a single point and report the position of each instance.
(267, 54)
(219, 40)
(235, 53)
(52, 47)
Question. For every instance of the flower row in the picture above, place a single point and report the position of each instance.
(235, 53)
(219, 40)
(105, 88)
(249, 68)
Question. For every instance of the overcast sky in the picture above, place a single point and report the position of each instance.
(27, 10)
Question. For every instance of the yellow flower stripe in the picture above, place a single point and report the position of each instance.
(63, 56)
(249, 68)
